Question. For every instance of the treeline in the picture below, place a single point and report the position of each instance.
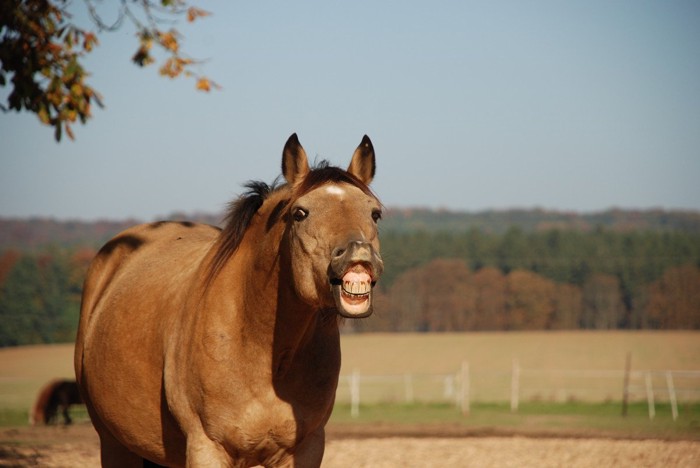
(499, 221)
(447, 281)
(39, 233)
(439, 281)
(444, 295)
(33, 233)
(40, 294)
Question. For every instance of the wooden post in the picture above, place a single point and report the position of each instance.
(672, 395)
(626, 384)
(650, 395)
(355, 393)
(515, 387)
(465, 404)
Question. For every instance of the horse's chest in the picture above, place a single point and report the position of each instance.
(261, 430)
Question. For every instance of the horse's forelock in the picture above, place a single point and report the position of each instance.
(325, 173)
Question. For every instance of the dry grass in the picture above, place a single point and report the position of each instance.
(494, 351)
(490, 357)
(24, 370)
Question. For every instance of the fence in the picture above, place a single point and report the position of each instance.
(466, 385)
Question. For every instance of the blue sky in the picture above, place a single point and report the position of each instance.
(576, 106)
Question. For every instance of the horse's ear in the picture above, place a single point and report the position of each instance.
(363, 164)
(295, 164)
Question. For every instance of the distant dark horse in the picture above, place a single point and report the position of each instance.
(57, 394)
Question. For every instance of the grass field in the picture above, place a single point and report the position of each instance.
(490, 356)
(443, 353)
(555, 366)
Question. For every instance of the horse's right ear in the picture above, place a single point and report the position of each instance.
(295, 164)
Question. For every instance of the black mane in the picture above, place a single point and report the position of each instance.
(241, 211)
(238, 216)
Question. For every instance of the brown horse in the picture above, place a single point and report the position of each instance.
(202, 347)
(55, 395)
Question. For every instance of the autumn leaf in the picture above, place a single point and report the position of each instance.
(169, 40)
(142, 57)
(43, 52)
(89, 41)
(69, 132)
(194, 13)
(203, 84)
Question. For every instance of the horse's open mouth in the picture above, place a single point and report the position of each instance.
(353, 292)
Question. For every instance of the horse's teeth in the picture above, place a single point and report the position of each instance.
(356, 287)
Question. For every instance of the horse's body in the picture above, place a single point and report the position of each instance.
(203, 347)
(57, 394)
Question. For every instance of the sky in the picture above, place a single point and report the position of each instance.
(471, 105)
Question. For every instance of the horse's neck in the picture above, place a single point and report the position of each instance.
(271, 322)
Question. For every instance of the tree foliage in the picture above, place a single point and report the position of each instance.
(555, 279)
(440, 281)
(42, 52)
(674, 299)
(40, 297)
(443, 295)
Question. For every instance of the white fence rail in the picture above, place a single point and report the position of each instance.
(465, 386)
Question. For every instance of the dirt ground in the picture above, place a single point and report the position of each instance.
(77, 446)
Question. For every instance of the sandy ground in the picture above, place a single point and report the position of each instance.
(77, 446)
(517, 452)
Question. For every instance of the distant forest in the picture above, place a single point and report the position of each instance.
(445, 271)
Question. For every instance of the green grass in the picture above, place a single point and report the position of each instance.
(15, 417)
(564, 419)
(12, 417)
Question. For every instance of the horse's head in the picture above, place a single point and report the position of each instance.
(332, 230)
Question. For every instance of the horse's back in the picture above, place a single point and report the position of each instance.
(139, 267)
(165, 241)
(134, 287)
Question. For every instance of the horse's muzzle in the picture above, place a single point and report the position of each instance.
(353, 272)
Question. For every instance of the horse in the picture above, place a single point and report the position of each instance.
(56, 394)
(200, 346)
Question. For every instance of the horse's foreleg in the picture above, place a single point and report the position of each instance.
(66, 417)
(309, 452)
(202, 451)
(114, 455)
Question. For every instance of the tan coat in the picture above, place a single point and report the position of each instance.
(200, 347)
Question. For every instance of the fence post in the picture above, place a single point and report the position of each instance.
(515, 387)
(355, 393)
(650, 395)
(672, 395)
(464, 390)
(626, 383)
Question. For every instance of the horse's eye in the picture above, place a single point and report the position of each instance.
(300, 214)
(376, 215)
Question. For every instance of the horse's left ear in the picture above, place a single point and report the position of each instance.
(363, 164)
(295, 164)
